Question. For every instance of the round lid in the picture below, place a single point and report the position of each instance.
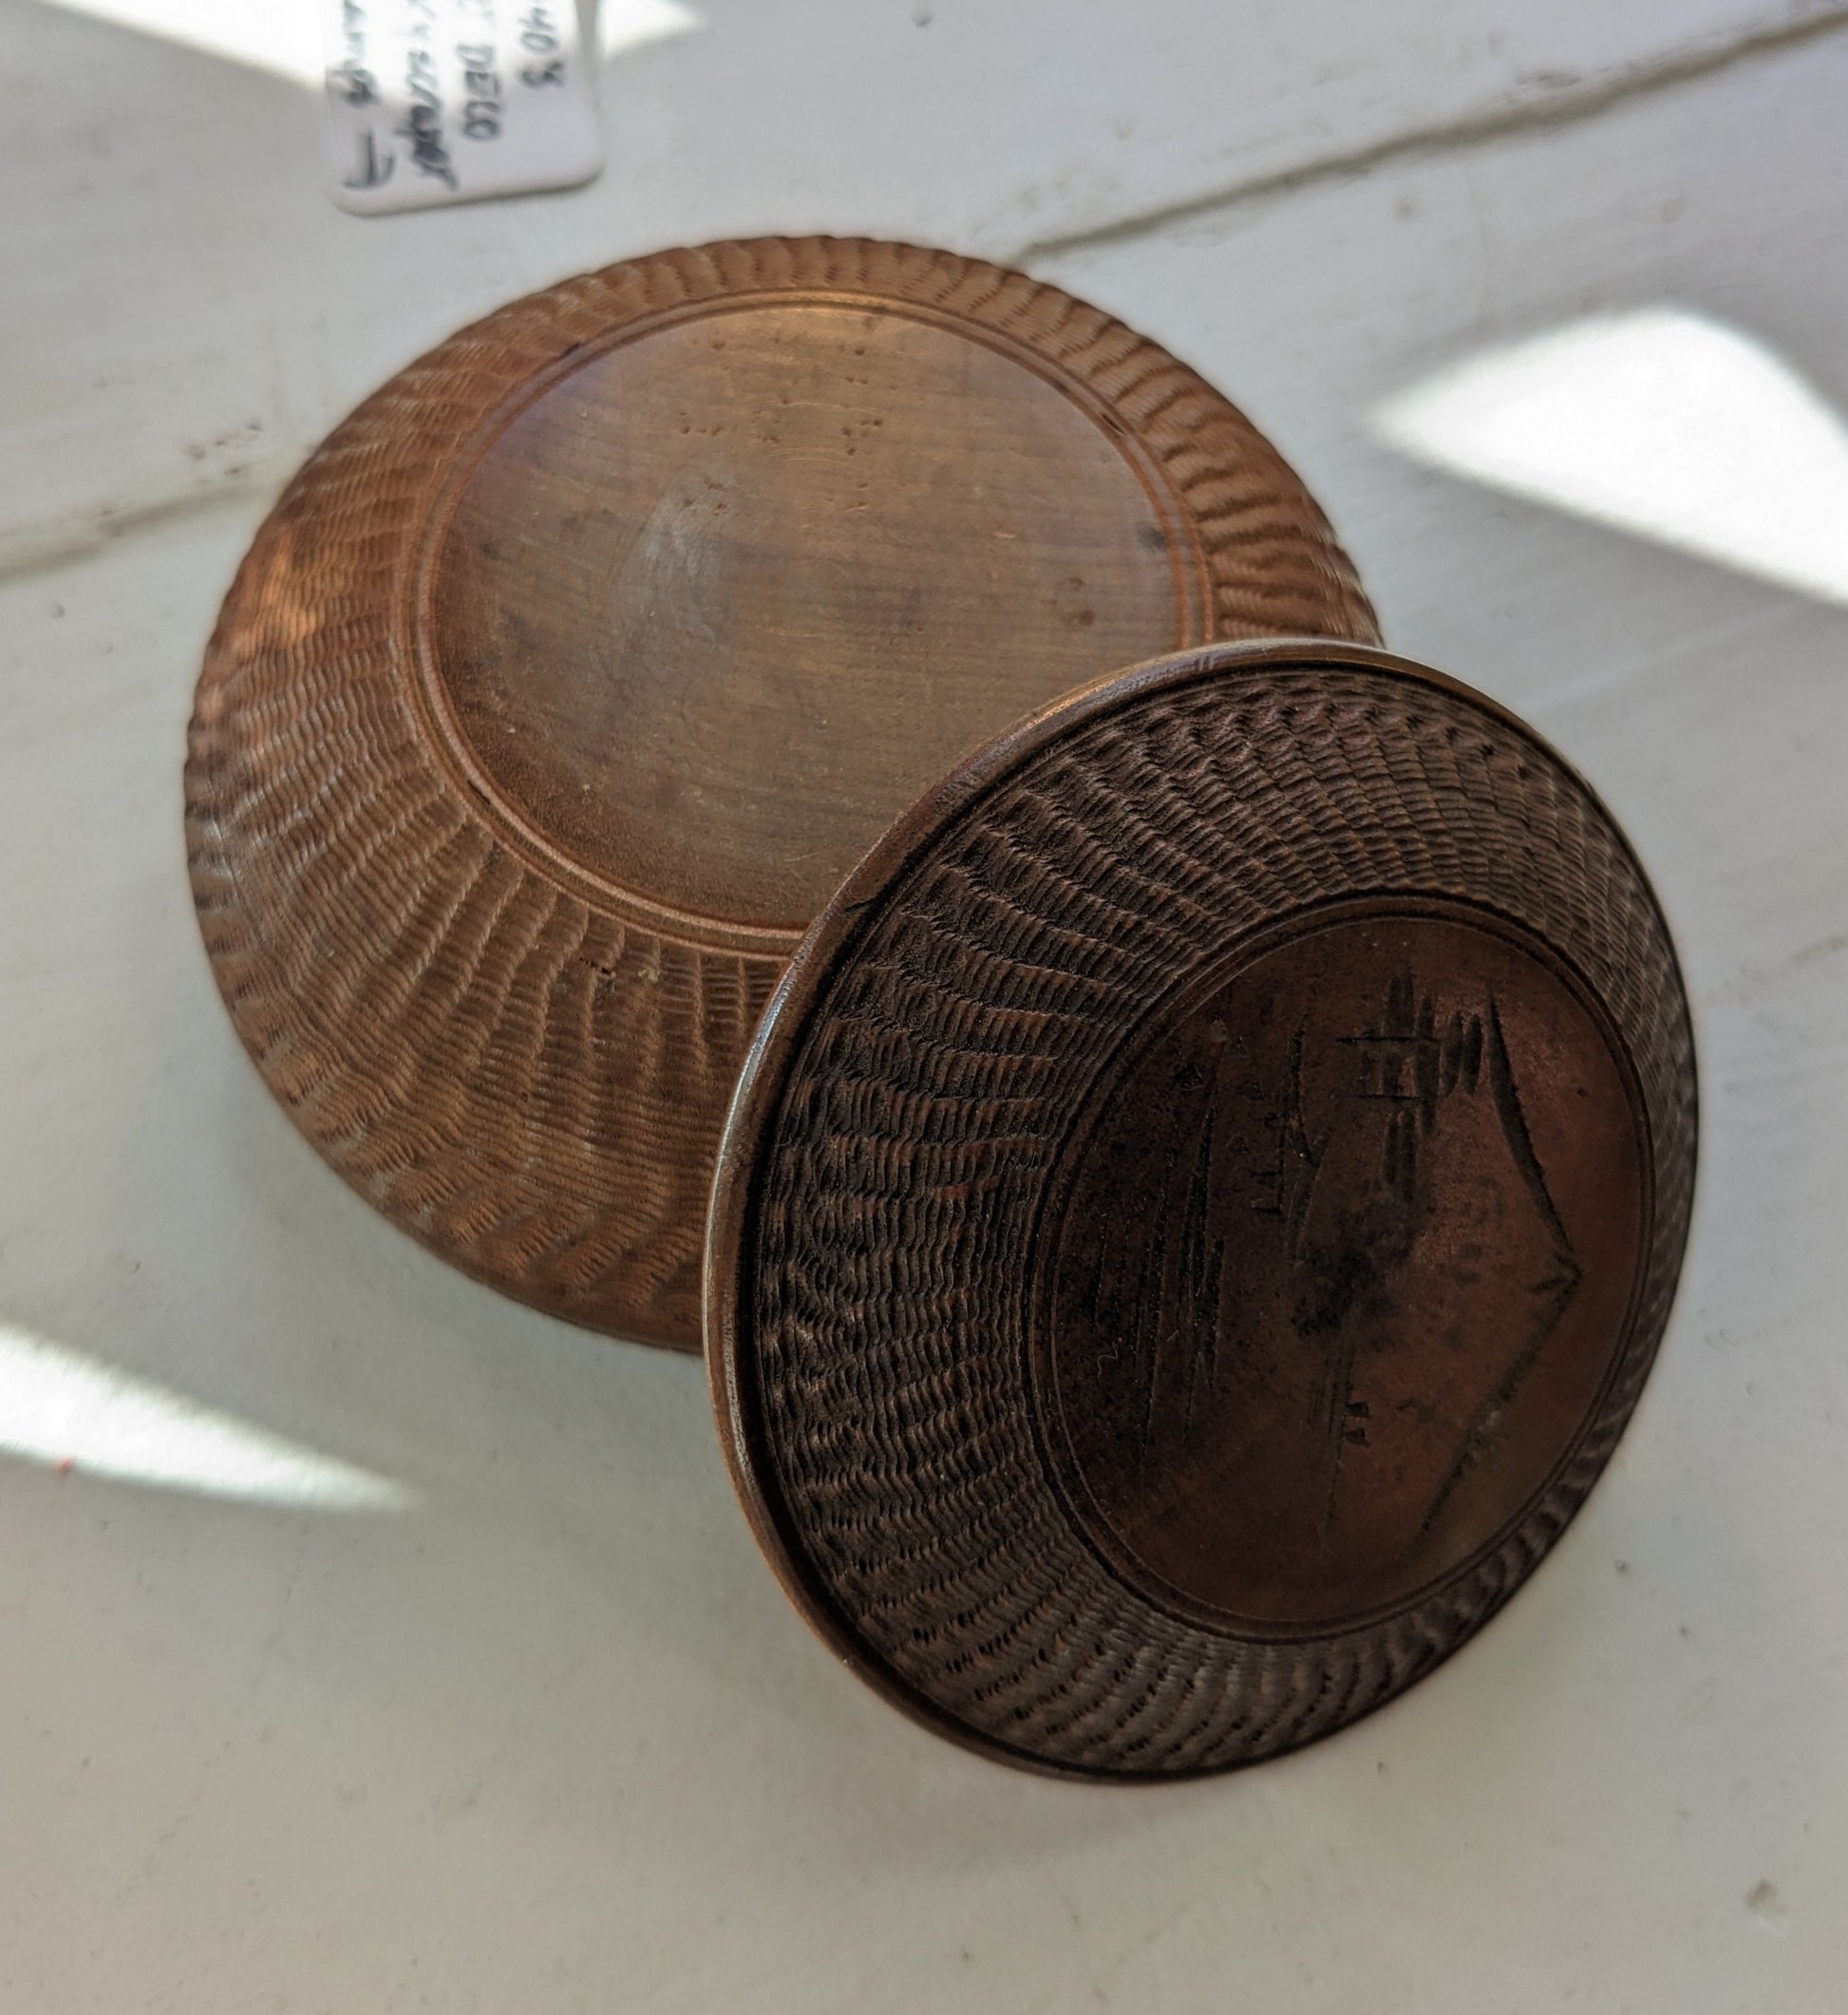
(573, 672)
(1200, 1209)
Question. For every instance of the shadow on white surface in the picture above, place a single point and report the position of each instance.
(76, 1414)
(1661, 421)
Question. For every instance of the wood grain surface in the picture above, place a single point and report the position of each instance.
(579, 666)
(1201, 1210)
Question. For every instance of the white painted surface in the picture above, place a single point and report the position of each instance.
(182, 315)
(546, 1737)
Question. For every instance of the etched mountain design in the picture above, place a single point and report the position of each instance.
(1341, 1282)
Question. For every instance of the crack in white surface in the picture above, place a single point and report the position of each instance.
(1556, 101)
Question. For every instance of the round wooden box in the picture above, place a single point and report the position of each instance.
(573, 672)
(1199, 1210)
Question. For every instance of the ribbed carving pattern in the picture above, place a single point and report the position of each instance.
(527, 1070)
(954, 1027)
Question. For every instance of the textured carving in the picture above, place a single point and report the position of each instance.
(514, 1049)
(1445, 1158)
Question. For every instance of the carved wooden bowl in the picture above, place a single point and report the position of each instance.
(1200, 1209)
(572, 673)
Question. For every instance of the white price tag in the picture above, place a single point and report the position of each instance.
(444, 101)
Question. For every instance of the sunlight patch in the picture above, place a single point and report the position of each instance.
(279, 35)
(1660, 422)
(78, 1414)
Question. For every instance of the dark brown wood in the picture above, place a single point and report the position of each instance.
(1201, 1210)
(575, 670)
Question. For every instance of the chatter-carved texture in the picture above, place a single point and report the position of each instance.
(516, 1053)
(958, 1027)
